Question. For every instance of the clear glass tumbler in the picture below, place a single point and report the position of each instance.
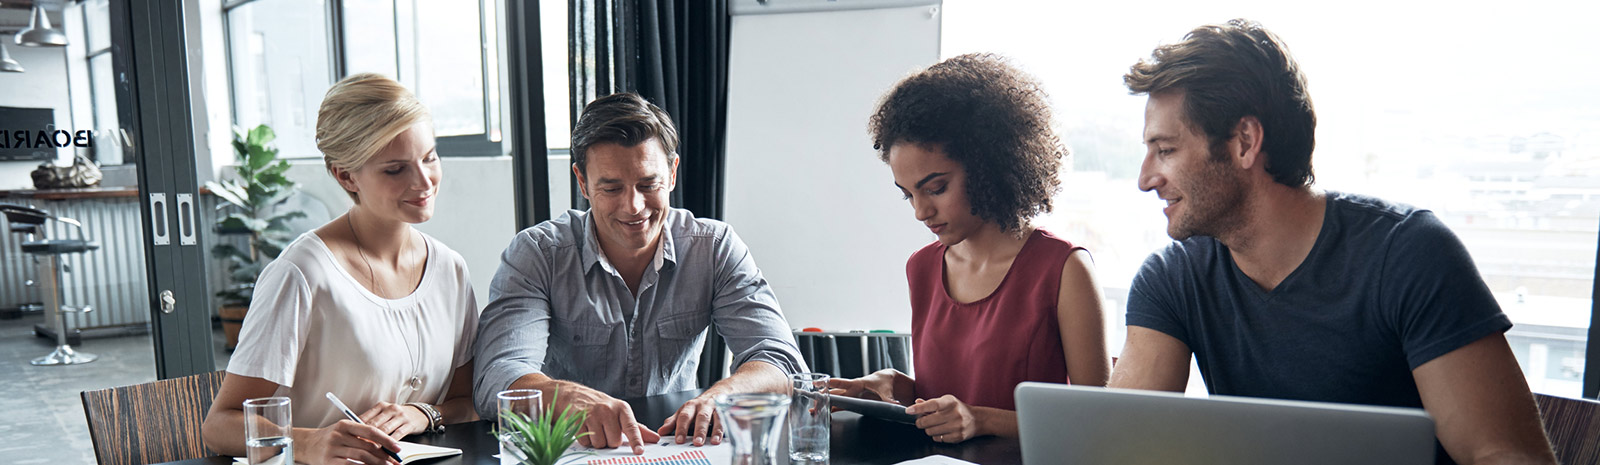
(752, 422)
(810, 419)
(525, 402)
(267, 422)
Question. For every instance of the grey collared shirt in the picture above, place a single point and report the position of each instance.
(558, 307)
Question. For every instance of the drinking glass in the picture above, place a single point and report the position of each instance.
(266, 431)
(809, 418)
(751, 422)
(523, 402)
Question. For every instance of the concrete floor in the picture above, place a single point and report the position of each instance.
(43, 420)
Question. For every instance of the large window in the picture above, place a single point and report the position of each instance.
(445, 52)
(450, 82)
(1468, 112)
(553, 32)
(102, 89)
(288, 41)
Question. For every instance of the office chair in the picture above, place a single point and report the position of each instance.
(1572, 426)
(151, 422)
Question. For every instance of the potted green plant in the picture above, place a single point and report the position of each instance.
(543, 439)
(260, 184)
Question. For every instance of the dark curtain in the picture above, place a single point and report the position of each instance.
(674, 53)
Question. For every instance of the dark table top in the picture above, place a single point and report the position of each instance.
(855, 440)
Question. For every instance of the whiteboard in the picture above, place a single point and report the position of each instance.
(804, 188)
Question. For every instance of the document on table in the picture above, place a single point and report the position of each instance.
(937, 460)
(409, 452)
(661, 453)
(665, 452)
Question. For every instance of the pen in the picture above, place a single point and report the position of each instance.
(352, 416)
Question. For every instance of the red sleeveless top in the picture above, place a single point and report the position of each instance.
(980, 351)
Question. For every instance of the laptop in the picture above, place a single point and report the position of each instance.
(1062, 424)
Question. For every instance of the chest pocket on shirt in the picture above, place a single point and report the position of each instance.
(679, 335)
(683, 325)
(575, 344)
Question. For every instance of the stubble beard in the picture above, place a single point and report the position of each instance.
(1215, 204)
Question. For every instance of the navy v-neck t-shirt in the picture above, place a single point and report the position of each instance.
(1385, 289)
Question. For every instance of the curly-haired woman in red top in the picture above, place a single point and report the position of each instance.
(995, 301)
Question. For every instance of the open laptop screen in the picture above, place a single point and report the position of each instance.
(1073, 424)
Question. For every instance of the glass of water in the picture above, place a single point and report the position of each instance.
(525, 402)
(266, 431)
(752, 422)
(809, 418)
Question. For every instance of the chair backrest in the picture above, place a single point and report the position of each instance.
(1573, 426)
(18, 214)
(854, 354)
(27, 221)
(151, 422)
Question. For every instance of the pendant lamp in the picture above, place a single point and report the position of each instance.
(39, 32)
(6, 63)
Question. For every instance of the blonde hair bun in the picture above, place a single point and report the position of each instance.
(360, 115)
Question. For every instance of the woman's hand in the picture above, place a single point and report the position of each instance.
(947, 419)
(342, 442)
(396, 420)
(866, 388)
(887, 385)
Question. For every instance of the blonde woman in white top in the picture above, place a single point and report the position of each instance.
(364, 307)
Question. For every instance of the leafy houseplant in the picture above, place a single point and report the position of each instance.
(260, 185)
(543, 439)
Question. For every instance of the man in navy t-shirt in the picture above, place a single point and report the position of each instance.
(1283, 291)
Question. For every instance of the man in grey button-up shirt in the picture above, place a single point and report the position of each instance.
(615, 301)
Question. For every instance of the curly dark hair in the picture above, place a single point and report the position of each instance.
(991, 118)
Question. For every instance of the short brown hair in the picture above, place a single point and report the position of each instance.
(622, 118)
(991, 118)
(1230, 71)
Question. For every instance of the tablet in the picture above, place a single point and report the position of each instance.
(874, 408)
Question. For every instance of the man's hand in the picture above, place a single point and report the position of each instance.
(693, 420)
(609, 419)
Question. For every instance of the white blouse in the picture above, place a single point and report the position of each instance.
(313, 329)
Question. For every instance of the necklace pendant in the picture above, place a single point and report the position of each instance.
(415, 383)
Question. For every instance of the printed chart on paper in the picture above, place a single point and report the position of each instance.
(665, 453)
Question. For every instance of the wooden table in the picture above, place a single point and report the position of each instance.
(855, 440)
(96, 192)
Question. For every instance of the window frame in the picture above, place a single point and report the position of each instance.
(96, 93)
(466, 145)
(335, 65)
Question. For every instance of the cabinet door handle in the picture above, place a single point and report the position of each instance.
(186, 233)
(158, 219)
(168, 303)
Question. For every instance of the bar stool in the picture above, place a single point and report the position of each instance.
(48, 254)
(24, 223)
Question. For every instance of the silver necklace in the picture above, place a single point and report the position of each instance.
(415, 382)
